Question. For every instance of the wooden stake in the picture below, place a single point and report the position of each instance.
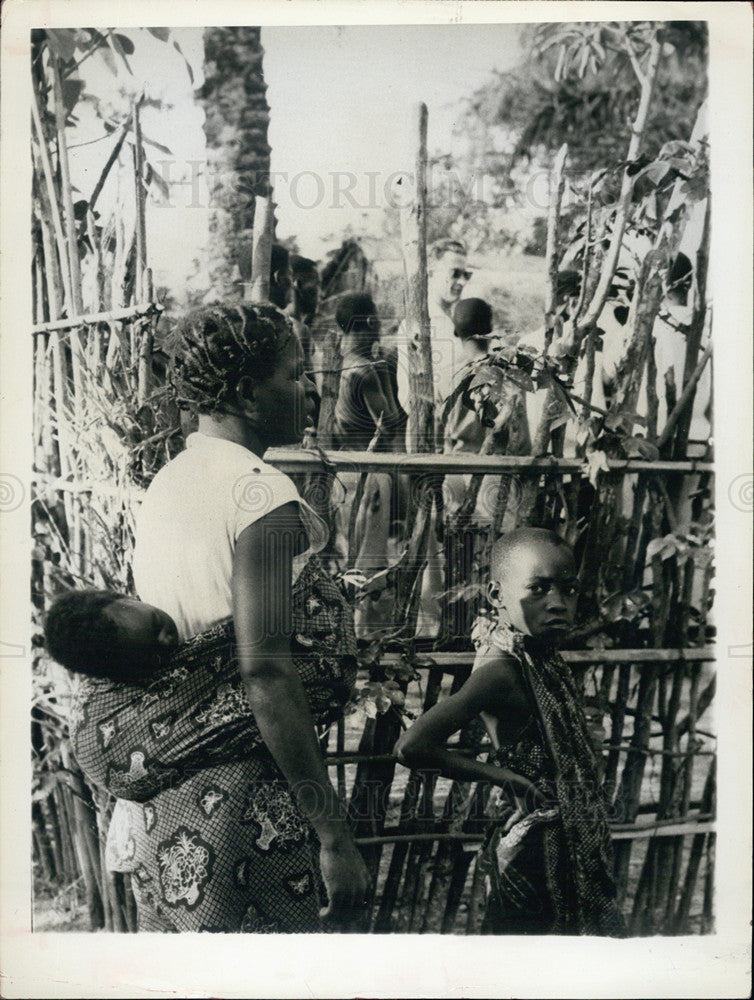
(146, 345)
(141, 206)
(416, 325)
(261, 253)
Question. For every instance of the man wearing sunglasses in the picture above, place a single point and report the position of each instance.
(447, 275)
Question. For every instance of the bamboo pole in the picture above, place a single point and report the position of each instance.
(44, 156)
(461, 865)
(393, 883)
(146, 343)
(58, 412)
(553, 326)
(291, 461)
(42, 851)
(86, 843)
(617, 717)
(70, 228)
(680, 922)
(633, 771)
(264, 220)
(141, 207)
(474, 917)
(709, 885)
(54, 838)
(552, 404)
(625, 832)
(413, 221)
(130, 905)
(687, 768)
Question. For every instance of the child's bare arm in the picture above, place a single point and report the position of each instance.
(423, 745)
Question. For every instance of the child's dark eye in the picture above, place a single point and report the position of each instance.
(538, 588)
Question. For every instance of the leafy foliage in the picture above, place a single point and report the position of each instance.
(575, 84)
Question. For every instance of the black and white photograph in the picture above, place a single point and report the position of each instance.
(381, 507)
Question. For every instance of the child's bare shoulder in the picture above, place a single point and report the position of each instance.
(497, 673)
(498, 666)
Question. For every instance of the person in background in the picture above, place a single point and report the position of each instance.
(463, 429)
(365, 406)
(303, 307)
(365, 394)
(281, 279)
(305, 287)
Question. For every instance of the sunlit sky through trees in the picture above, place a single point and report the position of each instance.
(340, 101)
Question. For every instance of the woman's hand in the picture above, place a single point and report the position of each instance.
(346, 880)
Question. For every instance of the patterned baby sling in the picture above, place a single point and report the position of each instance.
(136, 740)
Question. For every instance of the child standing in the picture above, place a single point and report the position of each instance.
(547, 853)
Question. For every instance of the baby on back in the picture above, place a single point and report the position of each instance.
(148, 710)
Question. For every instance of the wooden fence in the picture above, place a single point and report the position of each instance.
(104, 425)
(420, 833)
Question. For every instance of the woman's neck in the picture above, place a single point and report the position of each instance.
(232, 427)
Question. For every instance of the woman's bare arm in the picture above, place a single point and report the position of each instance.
(261, 611)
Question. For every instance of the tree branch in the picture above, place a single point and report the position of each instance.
(557, 186)
(680, 406)
(624, 200)
(641, 76)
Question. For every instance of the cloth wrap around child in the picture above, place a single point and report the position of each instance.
(551, 870)
(135, 740)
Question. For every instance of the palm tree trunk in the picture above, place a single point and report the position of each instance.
(236, 117)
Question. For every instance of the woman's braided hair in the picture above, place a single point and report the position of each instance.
(219, 344)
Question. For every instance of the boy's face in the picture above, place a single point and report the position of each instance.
(145, 634)
(538, 590)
